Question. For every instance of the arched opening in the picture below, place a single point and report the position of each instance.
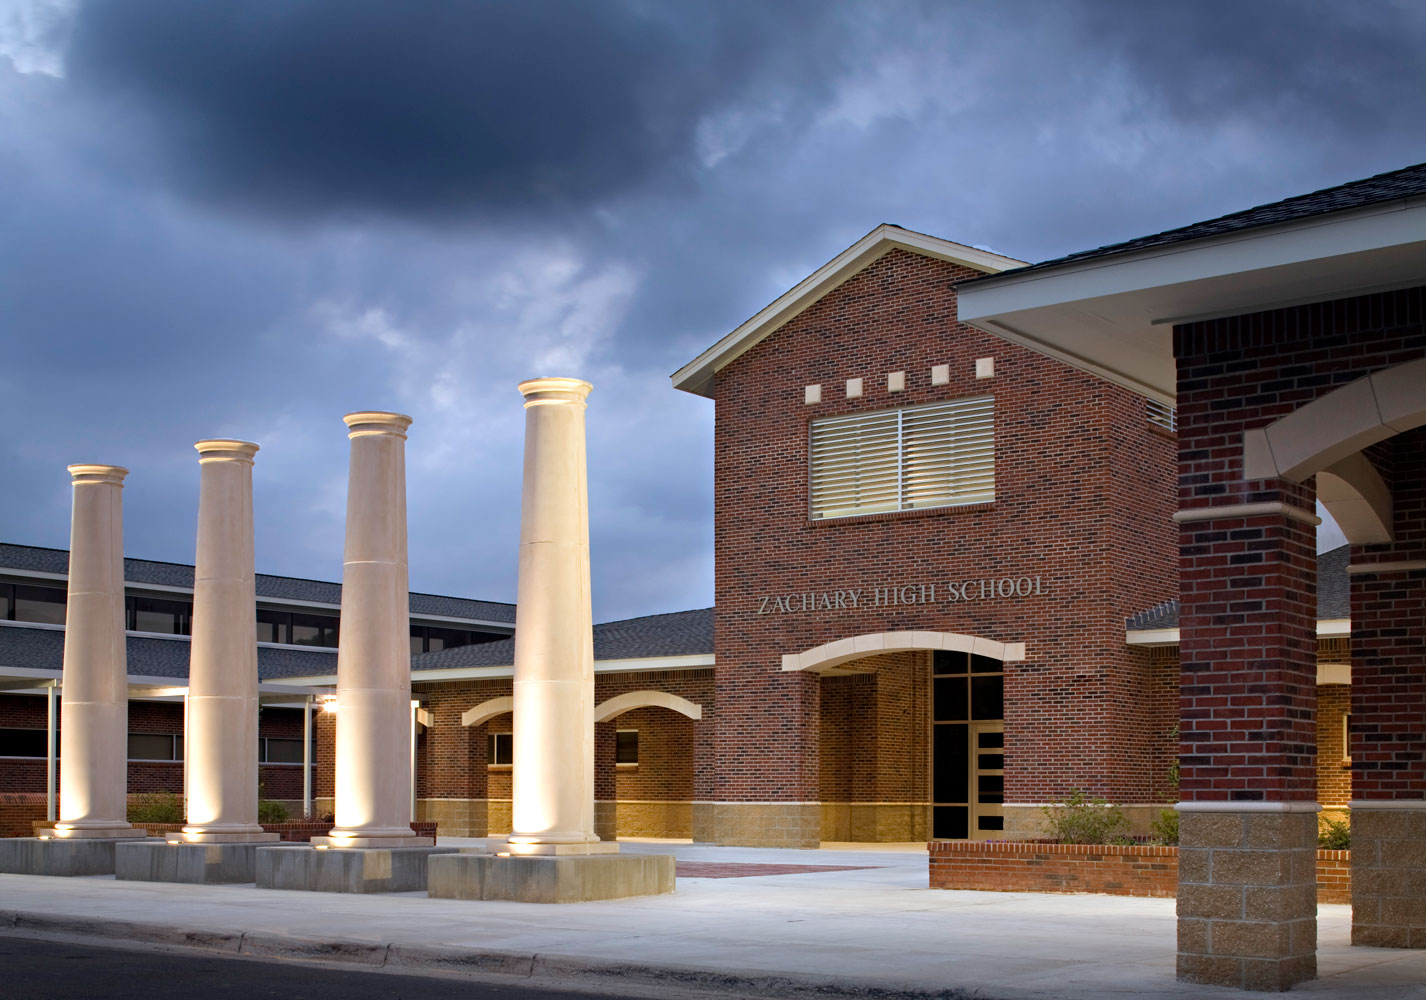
(644, 760)
(912, 735)
(491, 770)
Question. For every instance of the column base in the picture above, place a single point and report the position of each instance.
(116, 831)
(549, 850)
(758, 824)
(1247, 894)
(204, 864)
(65, 857)
(1389, 873)
(367, 843)
(360, 870)
(205, 837)
(564, 879)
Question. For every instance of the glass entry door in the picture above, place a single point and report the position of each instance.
(987, 779)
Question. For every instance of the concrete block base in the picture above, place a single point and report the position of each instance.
(152, 861)
(1389, 874)
(1247, 895)
(43, 856)
(380, 869)
(558, 879)
(758, 824)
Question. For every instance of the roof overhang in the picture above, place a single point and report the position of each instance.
(697, 375)
(141, 687)
(1114, 315)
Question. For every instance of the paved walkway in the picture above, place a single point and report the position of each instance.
(846, 920)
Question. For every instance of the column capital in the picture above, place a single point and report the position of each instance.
(225, 450)
(112, 474)
(554, 389)
(375, 422)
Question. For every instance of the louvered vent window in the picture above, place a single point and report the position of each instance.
(923, 456)
(1162, 415)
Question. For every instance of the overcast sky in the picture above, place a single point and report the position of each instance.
(247, 219)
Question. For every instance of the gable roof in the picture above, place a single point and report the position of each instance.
(697, 375)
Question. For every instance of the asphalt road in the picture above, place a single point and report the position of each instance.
(34, 969)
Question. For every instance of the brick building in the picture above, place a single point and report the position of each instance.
(946, 595)
(1292, 338)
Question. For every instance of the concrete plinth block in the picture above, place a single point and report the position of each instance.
(372, 869)
(206, 864)
(42, 856)
(560, 879)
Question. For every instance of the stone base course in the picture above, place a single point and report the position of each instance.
(33, 856)
(758, 824)
(1128, 870)
(1389, 877)
(148, 861)
(875, 822)
(564, 879)
(379, 869)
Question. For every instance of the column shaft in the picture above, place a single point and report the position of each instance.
(94, 706)
(373, 776)
(553, 780)
(221, 740)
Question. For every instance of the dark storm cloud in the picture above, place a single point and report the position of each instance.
(425, 106)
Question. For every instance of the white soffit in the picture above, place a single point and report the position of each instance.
(1113, 315)
(697, 375)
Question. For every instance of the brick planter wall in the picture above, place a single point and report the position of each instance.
(1130, 870)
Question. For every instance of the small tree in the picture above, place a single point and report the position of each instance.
(1085, 819)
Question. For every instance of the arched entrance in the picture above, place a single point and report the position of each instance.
(913, 734)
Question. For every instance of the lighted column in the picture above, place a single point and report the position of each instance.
(373, 777)
(553, 809)
(221, 736)
(94, 699)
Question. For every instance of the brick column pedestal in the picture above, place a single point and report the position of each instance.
(1247, 902)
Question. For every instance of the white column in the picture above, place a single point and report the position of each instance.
(553, 781)
(221, 731)
(94, 692)
(373, 778)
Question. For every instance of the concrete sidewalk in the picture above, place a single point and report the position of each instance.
(875, 930)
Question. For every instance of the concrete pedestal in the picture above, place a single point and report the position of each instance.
(310, 869)
(550, 878)
(208, 864)
(64, 857)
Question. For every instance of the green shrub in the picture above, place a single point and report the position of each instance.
(1165, 828)
(269, 811)
(1084, 819)
(156, 807)
(1334, 834)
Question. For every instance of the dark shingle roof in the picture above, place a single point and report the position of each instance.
(43, 649)
(166, 574)
(678, 633)
(1333, 595)
(1408, 182)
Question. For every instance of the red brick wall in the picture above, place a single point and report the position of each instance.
(1249, 585)
(1334, 777)
(1389, 639)
(874, 732)
(1070, 508)
(1139, 870)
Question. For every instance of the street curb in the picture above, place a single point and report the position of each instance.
(537, 969)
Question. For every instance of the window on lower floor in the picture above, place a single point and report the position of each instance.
(155, 746)
(276, 750)
(626, 746)
(499, 748)
(24, 743)
(939, 455)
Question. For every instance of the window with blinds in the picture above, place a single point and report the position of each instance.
(937, 455)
